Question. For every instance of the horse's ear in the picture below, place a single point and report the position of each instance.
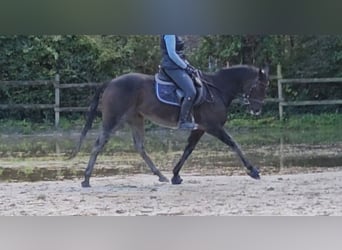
(265, 70)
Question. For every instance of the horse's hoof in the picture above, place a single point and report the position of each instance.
(254, 173)
(176, 180)
(85, 184)
(162, 178)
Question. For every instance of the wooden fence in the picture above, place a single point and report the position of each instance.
(282, 82)
(58, 87)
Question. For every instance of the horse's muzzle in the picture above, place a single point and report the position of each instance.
(255, 113)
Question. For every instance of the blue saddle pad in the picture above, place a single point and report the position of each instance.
(167, 92)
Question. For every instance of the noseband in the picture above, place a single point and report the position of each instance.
(246, 98)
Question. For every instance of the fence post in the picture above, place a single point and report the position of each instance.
(57, 100)
(280, 92)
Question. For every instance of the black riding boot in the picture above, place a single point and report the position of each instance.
(185, 117)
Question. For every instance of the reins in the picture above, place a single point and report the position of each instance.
(208, 85)
(200, 80)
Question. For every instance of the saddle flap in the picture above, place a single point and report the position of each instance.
(169, 93)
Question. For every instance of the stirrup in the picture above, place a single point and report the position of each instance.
(188, 125)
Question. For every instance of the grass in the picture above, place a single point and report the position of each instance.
(26, 127)
(293, 122)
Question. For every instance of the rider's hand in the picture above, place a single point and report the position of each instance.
(191, 70)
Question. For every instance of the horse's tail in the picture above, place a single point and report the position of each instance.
(91, 114)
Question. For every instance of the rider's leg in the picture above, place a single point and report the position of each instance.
(184, 81)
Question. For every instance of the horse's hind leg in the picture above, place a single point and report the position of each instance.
(137, 125)
(98, 146)
(193, 139)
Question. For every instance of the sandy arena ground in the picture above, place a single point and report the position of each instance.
(297, 194)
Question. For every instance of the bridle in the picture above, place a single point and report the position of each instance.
(246, 98)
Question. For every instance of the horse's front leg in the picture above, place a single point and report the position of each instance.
(193, 139)
(227, 139)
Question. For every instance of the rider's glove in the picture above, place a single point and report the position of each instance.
(191, 70)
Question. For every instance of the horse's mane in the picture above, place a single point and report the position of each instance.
(238, 69)
(233, 73)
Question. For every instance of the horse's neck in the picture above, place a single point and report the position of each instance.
(228, 87)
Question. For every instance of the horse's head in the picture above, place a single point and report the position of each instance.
(255, 91)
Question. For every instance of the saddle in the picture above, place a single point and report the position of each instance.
(168, 92)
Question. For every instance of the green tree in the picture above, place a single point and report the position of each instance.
(96, 58)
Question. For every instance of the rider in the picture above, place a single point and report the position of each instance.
(175, 66)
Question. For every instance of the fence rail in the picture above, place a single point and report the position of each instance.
(28, 83)
(27, 106)
(57, 90)
(58, 87)
(24, 84)
(283, 103)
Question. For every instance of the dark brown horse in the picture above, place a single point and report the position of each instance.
(131, 98)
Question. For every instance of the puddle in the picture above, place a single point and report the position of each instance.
(42, 157)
